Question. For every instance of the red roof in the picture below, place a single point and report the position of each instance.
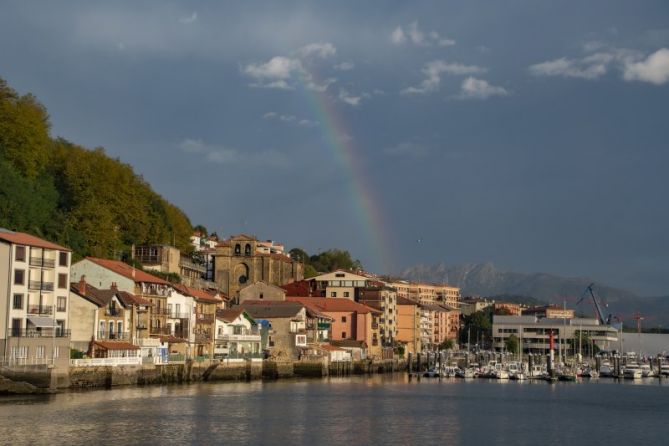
(127, 271)
(21, 238)
(229, 315)
(301, 288)
(333, 304)
(199, 294)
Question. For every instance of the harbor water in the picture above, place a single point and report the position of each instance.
(382, 409)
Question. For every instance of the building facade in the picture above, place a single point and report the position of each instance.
(35, 275)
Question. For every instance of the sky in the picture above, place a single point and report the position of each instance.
(531, 134)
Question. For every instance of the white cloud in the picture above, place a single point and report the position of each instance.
(319, 49)
(290, 119)
(406, 149)
(344, 66)
(412, 33)
(189, 19)
(653, 69)
(320, 87)
(571, 68)
(398, 36)
(473, 88)
(433, 71)
(348, 98)
(226, 155)
(278, 72)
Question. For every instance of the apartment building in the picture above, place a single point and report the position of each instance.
(35, 278)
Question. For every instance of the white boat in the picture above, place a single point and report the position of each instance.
(537, 371)
(589, 373)
(647, 371)
(449, 371)
(606, 369)
(632, 371)
(431, 373)
(501, 374)
(664, 370)
(466, 373)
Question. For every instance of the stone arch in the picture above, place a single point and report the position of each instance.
(241, 273)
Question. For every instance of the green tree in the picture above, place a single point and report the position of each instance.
(511, 344)
(448, 344)
(478, 325)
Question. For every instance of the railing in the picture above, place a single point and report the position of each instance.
(194, 266)
(103, 335)
(202, 338)
(38, 261)
(174, 315)
(113, 312)
(205, 317)
(34, 333)
(40, 309)
(160, 331)
(239, 337)
(93, 362)
(39, 285)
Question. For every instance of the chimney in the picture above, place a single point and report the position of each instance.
(82, 284)
(113, 287)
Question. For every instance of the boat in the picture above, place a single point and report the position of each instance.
(647, 371)
(465, 373)
(567, 376)
(501, 374)
(431, 373)
(606, 369)
(517, 376)
(536, 371)
(449, 371)
(664, 370)
(589, 373)
(632, 371)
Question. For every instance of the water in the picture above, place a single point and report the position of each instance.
(387, 410)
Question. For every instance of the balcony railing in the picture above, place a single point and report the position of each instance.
(202, 338)
(46, 263)
(160, 331)
(205, 318)
(174, 315)
(40, 309)
(34, 333)
(115, 312)
(239, 337)
(103, 335)
(39, 285)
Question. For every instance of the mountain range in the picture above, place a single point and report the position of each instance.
(486, 280)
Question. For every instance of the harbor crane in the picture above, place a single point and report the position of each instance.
(600, 315)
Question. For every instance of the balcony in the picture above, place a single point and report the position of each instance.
(105, 336)
(203, 338)
(238, 337)
(40, 309)
(174, 315)
(163, 331)
(114, 312)
(39, 285)
(43, 263)
(37, 333)
(375, 326)
(205, 318)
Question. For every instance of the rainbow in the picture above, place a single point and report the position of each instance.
(342, 147)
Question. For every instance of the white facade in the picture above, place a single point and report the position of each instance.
(181, 315)
(237, 338)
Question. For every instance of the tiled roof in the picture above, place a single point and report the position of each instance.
(301, 288)
(127, 271)
(259, 309)
(333, 304)
(350, 343)
(102, 297)
(21, 238)
(330, 347)
(229, 315)
(116, 345)
(198, 294)
(405, 301)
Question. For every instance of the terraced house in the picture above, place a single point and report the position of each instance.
(35, 278)
(206, 305)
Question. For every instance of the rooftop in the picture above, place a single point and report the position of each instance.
(127, 271)
(21, 238)
(333, 304)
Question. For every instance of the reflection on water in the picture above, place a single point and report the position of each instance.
(345, 411)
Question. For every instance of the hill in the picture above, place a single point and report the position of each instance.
(66, 193)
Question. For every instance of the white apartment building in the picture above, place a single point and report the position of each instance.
(34, 290)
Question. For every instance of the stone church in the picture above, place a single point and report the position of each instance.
(243, 259)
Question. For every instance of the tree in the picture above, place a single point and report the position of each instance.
(448, 344)
(511, 344)
(478, 325)
(588, 348)
(201, 229)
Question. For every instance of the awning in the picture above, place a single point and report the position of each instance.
(42, 321)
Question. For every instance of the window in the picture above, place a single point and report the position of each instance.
(62, 259)
(16, 327)
(39, 352)
(56, 352)
(19, 277)
(340, 275)
(119, 328)
(62, 281)
(343, 335)
(238, 249)
(333, 294)
(62, 303)
(111, 329)
(343, 318)
(346, 294)
(20, 254)
(247, 250)
(300, 340)
(102, 329)
(18, 302)
(20, 352)
(262, 295)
